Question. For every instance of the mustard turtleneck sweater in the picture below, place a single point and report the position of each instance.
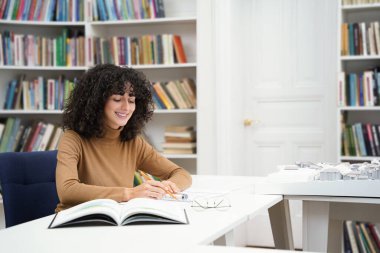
(102, 167)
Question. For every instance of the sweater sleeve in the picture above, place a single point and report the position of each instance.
(71, 190)
(157, 165)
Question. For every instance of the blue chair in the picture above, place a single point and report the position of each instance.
(28, 185)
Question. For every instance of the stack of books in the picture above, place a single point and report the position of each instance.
(179, 140)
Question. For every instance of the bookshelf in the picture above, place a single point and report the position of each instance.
(180, 18)
(358, 92)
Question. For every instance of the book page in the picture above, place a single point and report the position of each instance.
(107, 207)
(165, 209)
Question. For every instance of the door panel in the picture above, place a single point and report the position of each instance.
(287, 92)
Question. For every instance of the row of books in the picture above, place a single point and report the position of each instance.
(42, 10)
(360, 237)
(179, 140)
(359, 89)
(32, 50)
(361, 139)
(146, 49)
(360, 38)
(178, 94)
(357, 2)
(17, 135)
(38, 94)
(103, 10)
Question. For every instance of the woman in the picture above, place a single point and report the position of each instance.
(101, 148)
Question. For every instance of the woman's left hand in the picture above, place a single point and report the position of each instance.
(173, 188)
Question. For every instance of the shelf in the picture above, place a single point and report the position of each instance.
(358, 7)
(158, 21)
(164, 66)
(43, 68)
(83, 68)
(358, 158)
(41, 23)
(32, 112)
(359, 108)
(23, 112)
(163, 111)
(180, 156)
(360, 57)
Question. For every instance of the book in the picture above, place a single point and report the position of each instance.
(110, 212)
(351, 236)
(2, 126)
(375, 234)
(181, 151)
(368, 237)
(178, 48)
(175, 128)
(179, 145)
(346, 239)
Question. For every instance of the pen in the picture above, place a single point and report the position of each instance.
(179, 196)
(146, 177)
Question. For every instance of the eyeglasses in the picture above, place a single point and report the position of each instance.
(220, 204)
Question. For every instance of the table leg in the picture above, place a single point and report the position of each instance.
(315, 225)
(227, 239)
(279, 216)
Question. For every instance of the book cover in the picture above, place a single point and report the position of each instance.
(375, 234)
(346, 239)
(2, 126)
(110, 212)
(367, 237)
(7, 133)
(361, 244)
(178, 48)
(179, 145)
(182, 151)
(173, 128)
(354, 246)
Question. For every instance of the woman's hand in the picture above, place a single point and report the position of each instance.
(173, 188)
(148, 189)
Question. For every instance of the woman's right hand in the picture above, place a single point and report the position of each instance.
(149, 189)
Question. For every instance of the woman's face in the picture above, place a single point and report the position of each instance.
(118, 110)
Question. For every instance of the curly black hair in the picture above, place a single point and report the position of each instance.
(84, 109)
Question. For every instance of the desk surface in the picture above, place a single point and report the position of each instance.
(205, 226)
(340, 188)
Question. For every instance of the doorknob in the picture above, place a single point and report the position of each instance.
(250, 122)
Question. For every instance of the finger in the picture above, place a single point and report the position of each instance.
(173, 187)
(157, 184)
(156, 195)
(155, 188)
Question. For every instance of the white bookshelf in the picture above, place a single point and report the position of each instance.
(40, 23)
(356, 64)
(181, 19)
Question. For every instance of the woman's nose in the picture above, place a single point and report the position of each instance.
(125, 105)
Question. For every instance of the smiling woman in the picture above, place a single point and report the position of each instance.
(101, 147)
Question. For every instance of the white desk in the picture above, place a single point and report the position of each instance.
(326, 205)
(204, 228)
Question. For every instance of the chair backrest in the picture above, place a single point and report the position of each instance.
(28, 185)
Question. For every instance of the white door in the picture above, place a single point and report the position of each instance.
(279, 74)
(290, 89)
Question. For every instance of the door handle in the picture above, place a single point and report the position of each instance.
(250, 122)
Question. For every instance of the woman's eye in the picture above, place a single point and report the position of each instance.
(116, 100)
(132, 101)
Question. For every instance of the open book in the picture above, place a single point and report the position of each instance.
(110, 212)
